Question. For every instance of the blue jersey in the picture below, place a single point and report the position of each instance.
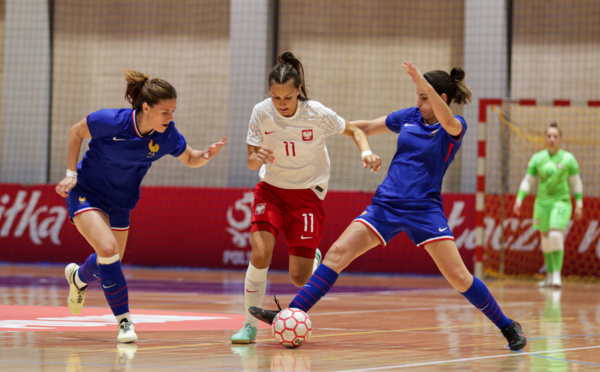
(119, 156)
(422, 156)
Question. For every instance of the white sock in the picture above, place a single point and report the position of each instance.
(255, 286)
(108, 260)
(123, 316)
(78, 282)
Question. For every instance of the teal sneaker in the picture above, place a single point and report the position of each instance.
(317, 260)
(246, 335)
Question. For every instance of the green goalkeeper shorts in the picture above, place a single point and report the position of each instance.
(551, 216)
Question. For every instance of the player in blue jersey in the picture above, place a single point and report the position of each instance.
(105, 186)
(409, 199)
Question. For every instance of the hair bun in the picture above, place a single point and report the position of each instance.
(457, 73)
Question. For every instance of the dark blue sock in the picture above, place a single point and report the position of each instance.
(88, 272)
(317, 286)
(114, 286)
(479, 295)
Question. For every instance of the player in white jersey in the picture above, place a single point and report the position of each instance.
(409, 199)
(286, 141)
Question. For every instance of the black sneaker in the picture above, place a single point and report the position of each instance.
(266, 316)
(514, 335)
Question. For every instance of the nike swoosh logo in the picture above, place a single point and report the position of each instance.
(251, 291)
(442, 229)
(410, 125)
(270, 132)
(110, 286)
(305, 237)
(119, 139)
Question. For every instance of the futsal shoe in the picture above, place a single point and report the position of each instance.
(556, 280)
(546, 282)
(246, 335)
(126, 332)
(318, 259)
(266, 316)
(514, 335)
(76, 295)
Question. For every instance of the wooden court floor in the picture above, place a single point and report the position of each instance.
(184, 319)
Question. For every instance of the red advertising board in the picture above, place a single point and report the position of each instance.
(210, 228)
(520, 243)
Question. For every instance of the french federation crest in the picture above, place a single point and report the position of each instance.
(307, 135)
(153, 148)
(260, 208)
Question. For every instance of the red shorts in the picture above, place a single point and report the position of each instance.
(298, 213)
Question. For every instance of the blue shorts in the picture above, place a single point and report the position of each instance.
(80, 201)
(422, 221)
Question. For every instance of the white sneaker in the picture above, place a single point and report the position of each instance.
(545, 283)
(556, 280)
(126, 332)
(76, 295)
(318, 259)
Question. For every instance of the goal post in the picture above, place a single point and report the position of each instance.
(510, 132)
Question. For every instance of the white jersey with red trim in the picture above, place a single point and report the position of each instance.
(298, 144)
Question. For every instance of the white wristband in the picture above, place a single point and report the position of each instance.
(364, 154)
(72, 174)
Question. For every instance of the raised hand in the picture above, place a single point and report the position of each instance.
(214, 148)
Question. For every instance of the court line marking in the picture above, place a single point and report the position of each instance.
(518, 353)
(419, 329)
(410, 309)
(566, 360)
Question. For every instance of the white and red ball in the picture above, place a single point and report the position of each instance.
(291, 327)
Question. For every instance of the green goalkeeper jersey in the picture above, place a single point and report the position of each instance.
(553, 172)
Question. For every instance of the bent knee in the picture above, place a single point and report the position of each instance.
(460, 280)
(107, 249)
(299, 279)
(338, 258)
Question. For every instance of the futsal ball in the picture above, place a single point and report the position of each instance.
(291, 327)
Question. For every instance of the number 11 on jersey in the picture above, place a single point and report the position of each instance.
(290, 146)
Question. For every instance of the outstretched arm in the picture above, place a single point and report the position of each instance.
(78, 132)
(372, 127)
(196, 158)
(441, 110)
(360, 139)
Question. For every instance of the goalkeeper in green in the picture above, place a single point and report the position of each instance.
(558, 174)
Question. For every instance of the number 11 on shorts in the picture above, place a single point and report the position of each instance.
(308, 216)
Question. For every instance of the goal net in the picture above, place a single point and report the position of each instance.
(513, 130)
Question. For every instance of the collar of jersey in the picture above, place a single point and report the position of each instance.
(425, 123)
(288, 117)
(135, 126)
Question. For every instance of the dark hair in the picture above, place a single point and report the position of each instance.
(287, 68)
(141, 89)
(554, 125)
(454, 87)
